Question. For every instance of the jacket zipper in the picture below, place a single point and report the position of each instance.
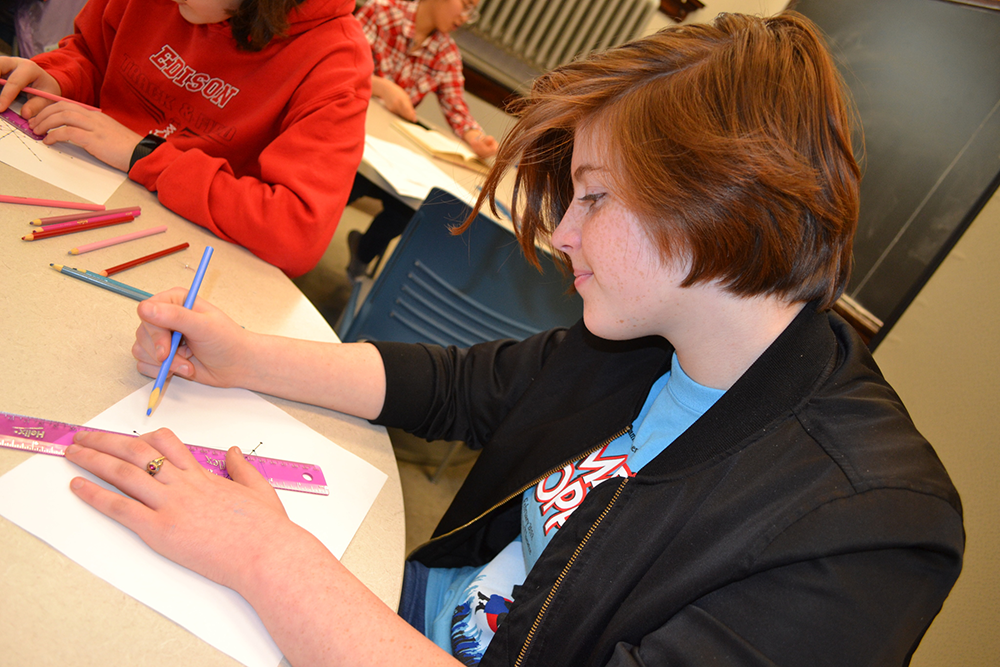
(529, 485)
(565, 571)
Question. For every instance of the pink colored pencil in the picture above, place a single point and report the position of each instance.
(54, 203)
(97, 245)
(50, 96)
(133, 213)
(43, 222)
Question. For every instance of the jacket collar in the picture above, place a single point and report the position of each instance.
(781, 378)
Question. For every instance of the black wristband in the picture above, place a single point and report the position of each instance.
(146, 146)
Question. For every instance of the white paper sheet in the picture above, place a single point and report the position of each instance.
(64, 165)
(35, 495)
(411, 174)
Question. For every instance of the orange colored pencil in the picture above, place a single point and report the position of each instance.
(142, 260)
(35, 236)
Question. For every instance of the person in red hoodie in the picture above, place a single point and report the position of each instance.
(247, 118)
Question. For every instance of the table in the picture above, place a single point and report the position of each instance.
(66, 356)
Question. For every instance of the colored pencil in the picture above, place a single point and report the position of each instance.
(142, 260)
(142, 294)
(35, 236)
(86, 221)
(50, 96)
(175, 339)
(106, 283)
(97, 245)
(45, 223)
(54, 203)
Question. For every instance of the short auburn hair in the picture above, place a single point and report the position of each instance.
(257, 22)
(731, 142)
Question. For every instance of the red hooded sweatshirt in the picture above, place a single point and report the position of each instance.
(262, 147)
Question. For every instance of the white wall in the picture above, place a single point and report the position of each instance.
(943, 358)
(714, 7)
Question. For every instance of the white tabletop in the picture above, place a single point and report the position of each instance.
(65, 355)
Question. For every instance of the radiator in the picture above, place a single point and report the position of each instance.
(540, 35)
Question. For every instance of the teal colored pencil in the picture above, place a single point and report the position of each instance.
(175, 339)
(98, 276)
(111, 285)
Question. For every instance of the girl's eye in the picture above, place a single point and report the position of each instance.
(592, 199)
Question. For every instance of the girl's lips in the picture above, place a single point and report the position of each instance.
(580, 278)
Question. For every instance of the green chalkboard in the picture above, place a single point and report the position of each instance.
(925, 76)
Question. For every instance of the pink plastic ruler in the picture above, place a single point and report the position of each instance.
(51, 437)
(21, 124)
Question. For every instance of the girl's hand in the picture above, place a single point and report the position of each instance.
(22, 73)
(481, 143)
(394, 98)
(98, 134)
(213, 350)
(215, 526)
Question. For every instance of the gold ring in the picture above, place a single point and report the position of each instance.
(153, 466)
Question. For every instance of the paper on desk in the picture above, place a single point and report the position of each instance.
(64, 165)
(35, 495)
(408, 172)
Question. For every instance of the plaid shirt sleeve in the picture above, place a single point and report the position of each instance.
(450, 91)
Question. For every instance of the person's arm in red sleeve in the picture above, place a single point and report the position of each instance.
(288, 214)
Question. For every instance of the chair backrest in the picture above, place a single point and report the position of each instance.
(461, 290)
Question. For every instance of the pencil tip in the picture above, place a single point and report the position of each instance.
(57, 267)
(28, 237)
(74, 251)
(152, 400)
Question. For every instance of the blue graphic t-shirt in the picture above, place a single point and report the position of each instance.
(464, 606)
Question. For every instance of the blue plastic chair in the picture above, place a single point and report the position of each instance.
(459, 290)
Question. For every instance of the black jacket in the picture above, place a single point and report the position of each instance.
(802, 520)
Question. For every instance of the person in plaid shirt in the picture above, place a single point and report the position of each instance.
(414, 55)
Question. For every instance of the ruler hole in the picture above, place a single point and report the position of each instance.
(306, 476)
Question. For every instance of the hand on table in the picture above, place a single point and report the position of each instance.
(22, 73)
(394, 98)
(95, 132)
(207, 523)
(213, 349)
(481, 143)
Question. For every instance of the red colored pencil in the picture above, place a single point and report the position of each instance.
(142, 260)
(34, 236)
(88, 220)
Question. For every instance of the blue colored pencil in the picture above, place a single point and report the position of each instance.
(101, 281)
(175, 339)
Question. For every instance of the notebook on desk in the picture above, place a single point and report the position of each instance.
(442, 146)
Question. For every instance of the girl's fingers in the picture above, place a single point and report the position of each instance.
(124, 510)
(120, 461)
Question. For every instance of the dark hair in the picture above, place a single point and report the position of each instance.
(730, 141)
(257, 22)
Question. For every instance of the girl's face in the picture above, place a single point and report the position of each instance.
(628, 290)
(450, 15)
(200, 12)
